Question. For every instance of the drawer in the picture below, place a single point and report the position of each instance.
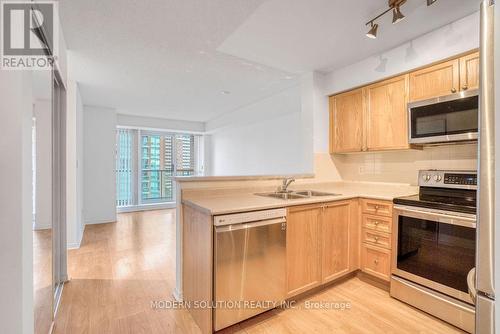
(375, 207)
(377, 238)
(377, 223)
(376, 261)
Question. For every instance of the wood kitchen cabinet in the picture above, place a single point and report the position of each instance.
(375, 117)
(386, 114)
(346, 121)
(376, 238)
(433, 81)
(322, 244)
(445, 78)
(371, 118)
(339, 239)
(303, 249)
(469, 71)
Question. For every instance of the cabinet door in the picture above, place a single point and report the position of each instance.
(303, 249)
(336, 240)
(433, 81)
(346, 122)
(386, 114)
(469, 71)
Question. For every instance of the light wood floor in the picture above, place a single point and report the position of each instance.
(121, 267)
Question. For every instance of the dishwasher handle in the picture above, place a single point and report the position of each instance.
(244, 226)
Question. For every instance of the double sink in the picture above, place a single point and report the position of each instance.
(300, 194)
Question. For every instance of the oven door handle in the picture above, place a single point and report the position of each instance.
(436, 216)
(471, 284)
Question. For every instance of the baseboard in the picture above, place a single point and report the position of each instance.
(100, 221)
(39, 227)
(146, 207)
(77, 244)
(177, 295)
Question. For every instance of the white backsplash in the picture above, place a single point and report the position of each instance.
(402, 166)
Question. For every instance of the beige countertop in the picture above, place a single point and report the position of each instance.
(232, 202)
(239, 177)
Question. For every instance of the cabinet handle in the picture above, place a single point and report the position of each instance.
(375, 261)
(376, 239)
(376, 207)
(376, 223)
(464, 87)
(453, 90)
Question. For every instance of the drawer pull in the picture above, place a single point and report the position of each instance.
(376, 223)
(376, 207)
(376, 239)
(375, 261)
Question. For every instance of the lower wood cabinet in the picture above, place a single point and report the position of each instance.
(322, 244)
(303, 270)
(376, 238)
(376, 261)
(329, 240)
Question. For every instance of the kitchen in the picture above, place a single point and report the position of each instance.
(286, 238)
(251, 166)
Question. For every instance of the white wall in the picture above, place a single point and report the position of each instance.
(159, 123)
(99, 131)
(266, 137)
(42, 110)
(16, 240)
(74, 164)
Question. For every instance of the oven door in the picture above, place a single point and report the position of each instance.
(444, 119)
(435, 249)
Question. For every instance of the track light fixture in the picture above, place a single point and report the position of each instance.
(430, 2)
(372, 33)
(397, 16)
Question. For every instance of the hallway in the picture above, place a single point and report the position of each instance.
(118, 270)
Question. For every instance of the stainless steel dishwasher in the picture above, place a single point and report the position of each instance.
(249, 264)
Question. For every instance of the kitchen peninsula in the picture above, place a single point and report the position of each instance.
(344, 229)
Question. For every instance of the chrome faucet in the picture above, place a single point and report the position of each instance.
(286, 182)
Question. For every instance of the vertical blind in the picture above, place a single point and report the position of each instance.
(161, 156)
(124, 167)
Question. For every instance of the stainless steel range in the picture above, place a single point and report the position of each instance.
(435, 234)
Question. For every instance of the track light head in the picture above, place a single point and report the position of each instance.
(372, 33)
(397, 16)
(430, 2)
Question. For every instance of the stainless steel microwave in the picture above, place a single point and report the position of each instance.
(451, 118)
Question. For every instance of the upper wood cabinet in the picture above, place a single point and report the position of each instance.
(386, 114)
(375, 117)
(445, 78)
(433, 81)
(469, 71)
(346, 121)
(303, 249)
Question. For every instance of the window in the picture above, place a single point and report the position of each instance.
(161, 157)
(124, 167)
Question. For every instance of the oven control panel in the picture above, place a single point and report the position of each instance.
(448, 179)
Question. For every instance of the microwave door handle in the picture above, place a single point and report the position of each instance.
(471, 284)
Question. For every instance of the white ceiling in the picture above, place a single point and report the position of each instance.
(175, 58)
(306, 35)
